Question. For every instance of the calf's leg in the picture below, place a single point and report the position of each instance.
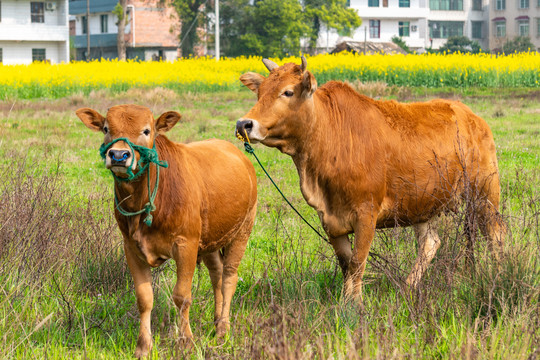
(428, 243)
(142, 277)
(233, 254)
(185, 256)
(214, 263)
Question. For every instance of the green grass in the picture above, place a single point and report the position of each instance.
(65, 291)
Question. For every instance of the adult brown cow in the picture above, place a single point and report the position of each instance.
(198, 214)
(366, 164)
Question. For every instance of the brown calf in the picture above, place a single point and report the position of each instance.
(199, 212)
(366, 164)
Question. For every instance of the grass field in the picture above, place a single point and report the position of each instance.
(65, 291)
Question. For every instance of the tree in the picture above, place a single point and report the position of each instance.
(401, 43)
(190, 13)
(460, 44)
(334, 14)
(120, 12)
(519, 44)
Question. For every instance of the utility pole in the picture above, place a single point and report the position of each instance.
(365, 39)
(87, 30)
(217, 31)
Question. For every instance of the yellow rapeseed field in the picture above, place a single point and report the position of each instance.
(205, 74)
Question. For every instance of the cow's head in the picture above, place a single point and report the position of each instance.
(284, 107)
(133, 122)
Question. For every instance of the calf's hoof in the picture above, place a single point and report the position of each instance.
(222, 328)
(144, 346)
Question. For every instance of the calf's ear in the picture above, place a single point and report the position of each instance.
(167, 120)
(309, 84)
(252, 81)
(91, 118)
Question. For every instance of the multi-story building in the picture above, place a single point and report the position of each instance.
(420, 23)
(512, 18)
(151, 33)
(34, 31)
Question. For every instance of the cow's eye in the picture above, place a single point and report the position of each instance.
(105, 129)
(146, 132)
(288, 93)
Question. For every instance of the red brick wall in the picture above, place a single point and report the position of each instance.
(154, 25)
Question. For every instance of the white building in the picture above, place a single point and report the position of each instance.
(34, 31)
(420, 23)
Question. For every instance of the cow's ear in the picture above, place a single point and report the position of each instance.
(309, 84)
(252, 81)
(167, 120)
(91, 118)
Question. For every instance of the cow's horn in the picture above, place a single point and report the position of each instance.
(270, 65)
(304, 64)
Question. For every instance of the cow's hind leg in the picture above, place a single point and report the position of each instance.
(343, 250)
(142, 277)
(428, 243)
(214, 263)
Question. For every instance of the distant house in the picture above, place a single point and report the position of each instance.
(368, 47)
(34, 31)
(151, 32)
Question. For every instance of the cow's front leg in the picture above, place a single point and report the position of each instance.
(142, 277)
(342, 248)
(364, 231)
(185, 255)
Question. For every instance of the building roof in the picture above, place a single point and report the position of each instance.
(370, 47)
(78, 7)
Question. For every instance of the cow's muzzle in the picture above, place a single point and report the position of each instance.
(119, 157)
(243, 128)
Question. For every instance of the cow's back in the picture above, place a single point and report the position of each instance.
(440, 148)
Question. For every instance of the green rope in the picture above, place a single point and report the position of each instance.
(147, 156)
(251, 151)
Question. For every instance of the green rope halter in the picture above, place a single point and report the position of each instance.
(147, 156)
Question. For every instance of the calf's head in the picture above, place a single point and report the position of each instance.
(284, 106)
(132, 122)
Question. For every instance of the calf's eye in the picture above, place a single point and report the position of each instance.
(146, 132)
(288, 93)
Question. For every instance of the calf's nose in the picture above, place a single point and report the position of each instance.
(119, 157)
(243, 128)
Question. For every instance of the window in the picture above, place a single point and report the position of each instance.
(537, 27)
(500, 4)
(37, 12)
(445, 29)
(500, 28)
(523, 4)
(38, 54)
(476, 29)
(446, 4)
(373, 3)
(477, 5)
(84, 20)
(375, 29)
(404, 28)
(0, 11)
(104, 24)
(1, 56)
(404, 3)
(523, 28)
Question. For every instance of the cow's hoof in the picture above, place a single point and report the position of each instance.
(222, 328)
(352, 291)
(185, 343)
